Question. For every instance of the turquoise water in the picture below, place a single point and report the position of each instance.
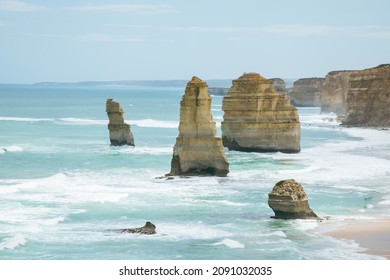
(64, 191)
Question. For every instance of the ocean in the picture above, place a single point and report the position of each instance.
(65, 193)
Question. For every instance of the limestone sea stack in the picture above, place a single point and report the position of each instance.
(120, 133)
(289, 201)
(257, 119)
(334, 92)
(306, 92)
(197, 150)
(368, 99)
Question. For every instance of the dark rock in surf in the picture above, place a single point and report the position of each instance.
(147, 229)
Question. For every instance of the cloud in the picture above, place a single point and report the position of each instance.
(18, 6)
(139, 9)
(290, 30)
(90, 37)
(97, 37)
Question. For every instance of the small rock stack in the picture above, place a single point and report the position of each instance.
(120, 133)
(289, 201)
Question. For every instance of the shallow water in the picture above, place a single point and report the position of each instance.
(63, 189)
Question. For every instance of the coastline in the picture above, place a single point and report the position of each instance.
(371, 235)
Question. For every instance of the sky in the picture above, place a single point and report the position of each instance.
(102, 40)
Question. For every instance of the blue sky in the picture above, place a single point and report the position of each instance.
(69, 41)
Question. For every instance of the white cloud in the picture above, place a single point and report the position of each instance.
(96, 37)
(292, 30)
(90, 37)
(18, 6)
(140, 9)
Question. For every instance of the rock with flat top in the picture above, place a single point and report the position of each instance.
(368, 98)
(258, 119)
(334, 92)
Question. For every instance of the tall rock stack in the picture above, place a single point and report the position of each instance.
(120, 133)
(368, 99)
(257, 119)
(197, 151)
(334, 92)
(306, 92)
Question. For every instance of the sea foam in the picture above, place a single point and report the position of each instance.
(13, 242)
(155, 123)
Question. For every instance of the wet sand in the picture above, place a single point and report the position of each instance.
(373, 235)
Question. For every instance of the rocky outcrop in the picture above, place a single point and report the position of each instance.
(307, 92)
(120, 133)
(197, 151)
(368, 99)
(257, 119)
(334, 92)
(279, 85)
(289, 201)
(148, 229)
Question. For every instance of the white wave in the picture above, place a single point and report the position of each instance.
(195, 230)
(155, 123)
(233, 244)
(144, 150)
(13, 242)
(278, 233)
(79, 121)
(305, 225)
(13, 148)
(17, 119)
(385, 201)
(225, 202)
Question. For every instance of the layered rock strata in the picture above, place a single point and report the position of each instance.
(368, 99)
(307, 92)
(147, 229)
(120, 133)
(288, 200)
(257, 119)
(197, 151)
(334, 92)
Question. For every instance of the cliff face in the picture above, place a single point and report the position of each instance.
(257, 119)
(197, 151)
(279, 85)
(334, 92)
(120, 133)
(368, 99)
(307, 92)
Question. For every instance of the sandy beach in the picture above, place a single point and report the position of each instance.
(373, 235)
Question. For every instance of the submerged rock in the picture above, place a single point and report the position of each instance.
(197, 151)
(289, 201)
(148, 229)
(257, 119)
(368, 99)
(120, 133)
